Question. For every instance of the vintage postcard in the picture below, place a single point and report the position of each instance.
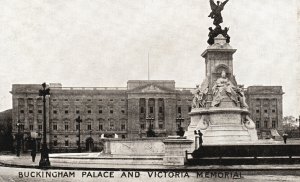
(149, 90)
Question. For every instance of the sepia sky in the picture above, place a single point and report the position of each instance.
(106, 43)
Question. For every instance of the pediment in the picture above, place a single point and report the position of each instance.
(151, 88)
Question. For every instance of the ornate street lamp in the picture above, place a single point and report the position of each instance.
(180, 130)
(150, 132)
(18, 137)
(44, 162)
(79, 120)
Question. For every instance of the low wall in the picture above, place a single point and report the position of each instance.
(142, 146)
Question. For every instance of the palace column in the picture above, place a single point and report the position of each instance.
(156, 113)
(147, 111)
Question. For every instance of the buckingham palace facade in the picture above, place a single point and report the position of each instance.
(126, 112)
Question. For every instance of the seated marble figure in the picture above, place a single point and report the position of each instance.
(223, 88)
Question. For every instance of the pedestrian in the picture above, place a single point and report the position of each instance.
(284, 137)
(33, 150)
(200, 138)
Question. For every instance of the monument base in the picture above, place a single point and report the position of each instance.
(222, 126)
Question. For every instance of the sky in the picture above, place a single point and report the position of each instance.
(106, 43)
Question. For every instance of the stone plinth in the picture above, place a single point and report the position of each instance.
(221, 126)
(144, 146)
(175, 151)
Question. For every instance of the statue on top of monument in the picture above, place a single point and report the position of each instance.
(218, 19)
(223, 88)
(216, 11)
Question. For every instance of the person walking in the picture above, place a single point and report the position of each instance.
(284, 137)
(200, 138)
(33, 150)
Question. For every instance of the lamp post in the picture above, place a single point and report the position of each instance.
(18, 137)
(79, 120)
(180, 130)
(44, 162)
(150, 132)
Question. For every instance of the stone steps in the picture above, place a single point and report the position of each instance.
(137, 161)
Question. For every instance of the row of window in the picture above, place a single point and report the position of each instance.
(160, 109)
(30, 111)
(160, 126)
(265, 111)
(89, 100)
(266, 124)
(151, 110)
(89, 127)
(89, 111)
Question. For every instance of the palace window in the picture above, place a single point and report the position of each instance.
(273, 110)
(161, 126)
(257, 124)
(54, 111)
(54, 126)
(40, 127)
(123, 125)
(31, 127)
(111, 111)
(190, 108)
(66, 126)
(160, 110)
(123, 111)
(151, 110)
(40, 111)
(66, 111)
(266, 111)
(266, 124)
(22, 111)
(179, 110)
(66, 143)
(273, 124)
(77, 127)
(142, 109)
(55, 142)
(89, 111)
(142, 126)
(100, 127)
(100, 111)
(257, 110)
(111, 125)
(30, 111)
(89, 126)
